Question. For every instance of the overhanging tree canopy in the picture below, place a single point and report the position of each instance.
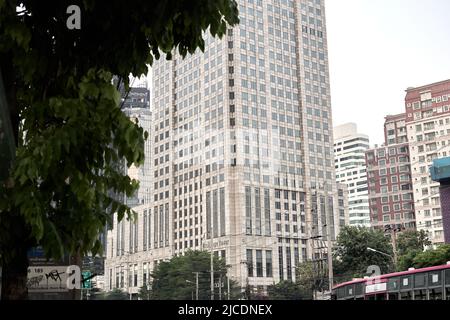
(68, 127)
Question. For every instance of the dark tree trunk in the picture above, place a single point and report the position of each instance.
(14, 275)
(15, 245)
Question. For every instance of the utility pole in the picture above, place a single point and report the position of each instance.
(243, 287)
(329, 245)
(220, 287)
(196, 285)
(310, 226)
(228, 287)
(313, 256)
(393, 230)
(313, 251)
(394, 246)
(212, 257)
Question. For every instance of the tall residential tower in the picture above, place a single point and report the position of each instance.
(428, 127)
(391, 196)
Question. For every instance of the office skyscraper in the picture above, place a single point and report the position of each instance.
(243, 146)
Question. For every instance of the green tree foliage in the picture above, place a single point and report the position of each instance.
(431, 258)
(409, 244)
(288, 290)
(69, 129)
(310, 278)
(175, 279)
(116, 294)
(351, 257)
(405, 261)
(145, 292)
(412, 240)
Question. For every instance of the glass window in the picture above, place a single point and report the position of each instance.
(393, 296)
(406, 295)
(420, 294)
(436, 294)
(393, 284)
(349, 291)
(259, 263)
(341, 293)
(381, 296)
(447, 277)
(269, 263)
(250, 262)
(359, 289)
(406, 282)
(420, 280)
(434, 279)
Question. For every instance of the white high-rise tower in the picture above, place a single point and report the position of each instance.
(349, 150)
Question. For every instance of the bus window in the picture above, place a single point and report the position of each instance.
(435, 279)
(436, 294)
(359, 289)
(407, 295)
(393, 296)
(341, 293)
(349, 293)
(393, 284)
(420, 280)
(406, 283)
(381, 296)
(420, 294)
(447, 277)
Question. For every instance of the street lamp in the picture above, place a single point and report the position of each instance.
(383, 253)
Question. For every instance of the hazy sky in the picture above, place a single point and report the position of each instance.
(377, 49)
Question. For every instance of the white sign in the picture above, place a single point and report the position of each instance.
(435, 278)
(377, 287)
(47, 278)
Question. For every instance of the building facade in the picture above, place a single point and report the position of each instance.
(428, 129)
(143, 117)
(137, 97)
(391, 196)
(350, 165)
(135, 106)
(343, 204)
(243, 161)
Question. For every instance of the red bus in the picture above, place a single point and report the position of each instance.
(415, 284)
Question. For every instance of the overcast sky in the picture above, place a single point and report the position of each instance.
(377, 49)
